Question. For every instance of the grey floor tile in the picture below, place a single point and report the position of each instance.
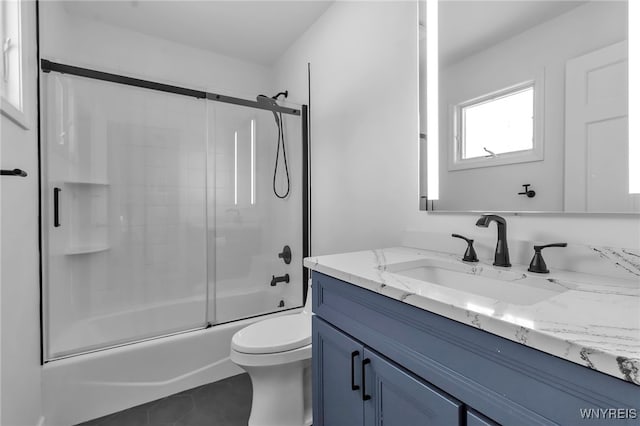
(171, 409)
(223, 403)
(136, 416)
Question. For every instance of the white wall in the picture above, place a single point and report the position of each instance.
(364, 121)
(78, 41)
(540, 52)
(19, 288)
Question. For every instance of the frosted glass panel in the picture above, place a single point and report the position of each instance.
(252, 225)
(128, 259)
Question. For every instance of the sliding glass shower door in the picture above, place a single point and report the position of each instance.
(254, 274)
(124, 213)
(164, 212)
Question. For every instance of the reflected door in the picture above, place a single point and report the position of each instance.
(597, 133)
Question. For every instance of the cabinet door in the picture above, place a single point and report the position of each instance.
(477, 419)
(397, 398)
(337, 358)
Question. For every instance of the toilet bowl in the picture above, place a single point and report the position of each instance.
(276, 353)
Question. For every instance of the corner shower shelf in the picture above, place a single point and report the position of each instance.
(86, 250)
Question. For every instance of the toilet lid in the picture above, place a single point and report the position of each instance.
(278, 334)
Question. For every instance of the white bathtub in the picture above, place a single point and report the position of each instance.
(91, 385)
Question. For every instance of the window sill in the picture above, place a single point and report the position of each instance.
(500, 160)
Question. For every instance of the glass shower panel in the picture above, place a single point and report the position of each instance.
(124, 210)
(252, 225)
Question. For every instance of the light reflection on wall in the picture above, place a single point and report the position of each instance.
(634, 70)
(235, 168)
(433, 192)
(253, 166)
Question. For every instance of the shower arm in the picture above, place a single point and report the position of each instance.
(285, 94)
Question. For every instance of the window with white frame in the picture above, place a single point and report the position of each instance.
(11, 72)
(498, 128)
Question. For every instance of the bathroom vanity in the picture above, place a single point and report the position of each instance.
(392, 348)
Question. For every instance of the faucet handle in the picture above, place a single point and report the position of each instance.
(538, 264)
(538, 248)
(470, 253)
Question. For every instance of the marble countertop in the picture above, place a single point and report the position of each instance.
(591, 320)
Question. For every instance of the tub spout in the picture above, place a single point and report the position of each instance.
(283, 279)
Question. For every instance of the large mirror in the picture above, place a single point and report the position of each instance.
(532, 108)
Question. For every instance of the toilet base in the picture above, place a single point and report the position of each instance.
(281, 394)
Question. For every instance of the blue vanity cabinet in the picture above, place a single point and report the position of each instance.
(398, 398)
(355, 386)
(336, 377)
(477, 419)
(421, 368)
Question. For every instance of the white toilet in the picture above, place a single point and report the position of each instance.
(277, 355)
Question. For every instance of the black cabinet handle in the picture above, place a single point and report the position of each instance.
(365, 397)
(14, 172)
(354, 354)
(56, 207)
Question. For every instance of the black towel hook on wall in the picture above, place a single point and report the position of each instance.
(14, 172)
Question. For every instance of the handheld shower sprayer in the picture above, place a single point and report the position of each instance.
(272, 103)
(262, 99)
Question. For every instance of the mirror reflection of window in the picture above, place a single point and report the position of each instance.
(11, 60)
(565, 132)
(11, 69)
(497, 125)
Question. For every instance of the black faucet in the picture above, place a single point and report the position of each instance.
(501, 257)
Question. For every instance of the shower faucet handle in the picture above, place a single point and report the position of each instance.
(285, 255)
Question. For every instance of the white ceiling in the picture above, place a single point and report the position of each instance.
(255, 31)
(468, 27)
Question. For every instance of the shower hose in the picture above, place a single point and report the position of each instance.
(280, 124)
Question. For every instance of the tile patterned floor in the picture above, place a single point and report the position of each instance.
(223, 403)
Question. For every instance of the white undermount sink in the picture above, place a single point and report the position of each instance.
(500, 284)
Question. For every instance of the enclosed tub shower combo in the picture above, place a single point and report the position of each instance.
(171, 219)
